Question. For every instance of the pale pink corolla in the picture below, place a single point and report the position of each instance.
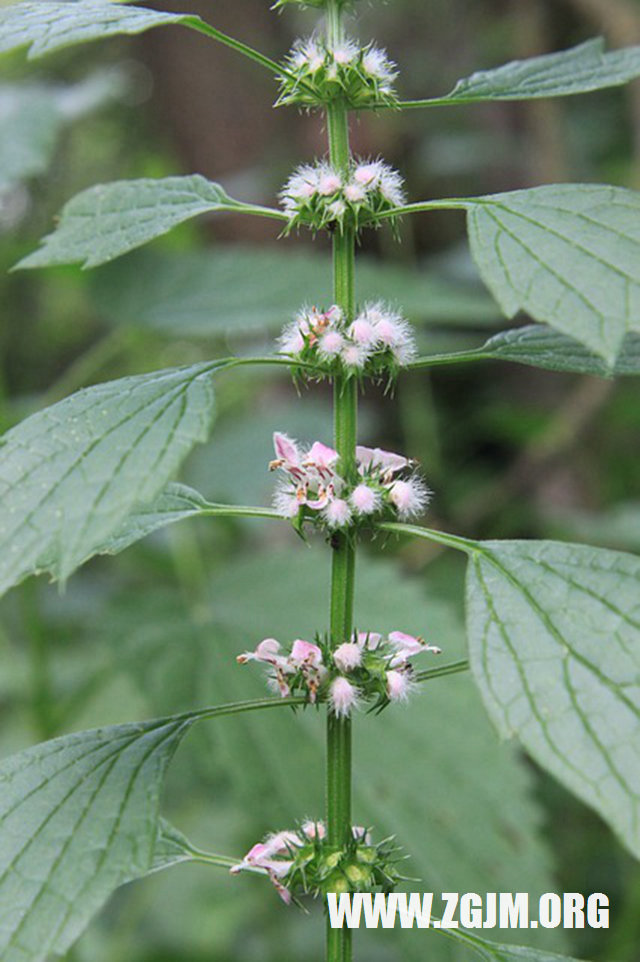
(362, 332)
(343, 697)
(305, 653)
(407, 646)
(369, 639)
(375, 459)
(321, 457)
(364, 500)
(391, 186)
(409, 497)
(376, 63)
(330, 344)
(368, 175)
(288, 456)
(344, 53)
(347, 656)
(267, 652)
(329, 182)
(286, 501)
(355, 193)
(354, 355)
(337, 513)
(399, 685)
(314, 830)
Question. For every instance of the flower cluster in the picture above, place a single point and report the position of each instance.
(318, 196)
(370, 669)
(317, 73)
(376, 342)
(313, 491)
(302, 863)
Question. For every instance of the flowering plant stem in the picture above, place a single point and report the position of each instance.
(339, 948)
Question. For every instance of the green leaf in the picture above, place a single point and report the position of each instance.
(206, 294)
(78, 818)
(578, 70)
(495, 952)
(176, 503)
(32, 116)
(108, 220)
(540, 346)
(48, 25)
(566, 254)
(554, 637)
(70, 475)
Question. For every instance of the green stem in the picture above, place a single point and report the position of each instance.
(343, 560)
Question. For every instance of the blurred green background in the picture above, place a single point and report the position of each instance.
(509, 452)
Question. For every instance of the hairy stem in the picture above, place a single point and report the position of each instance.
(343, 560)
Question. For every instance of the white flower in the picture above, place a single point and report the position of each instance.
(291, 340)
(345, 52)
(376, 63)
(399, 685)
(362, 331)
(330, 344)
(364, 500)
(337, 513)
(409, 497)
(369, 175)
(343, 697)
(354, 355)
(391, 186)
(347, 656)
(355, 193)
(329, 181)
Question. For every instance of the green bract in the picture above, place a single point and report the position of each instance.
(318, 73)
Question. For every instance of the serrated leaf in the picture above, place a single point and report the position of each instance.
(554, 636)
(108, 220)
(496, 952)
(78, 818)
(541, 346)
(48, 25)
(175, 503)
(567, 254)
(578, 70)
(206, 294)
(70, 475)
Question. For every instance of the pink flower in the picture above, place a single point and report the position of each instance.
(347, 656)
(375, 459)
(409, 497)
(330, 344)
(364, 499)
(407, 646)
(337, 513)
(354, 355)
(398, 685)
(369, 639)
(314, 830)
(343, 697)
(286, 501)
(287, 455)
(305, 653)
(329, 182)
(362, 331)
(321, 457)
(368, 174)
(355, 193)
(266, 651)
